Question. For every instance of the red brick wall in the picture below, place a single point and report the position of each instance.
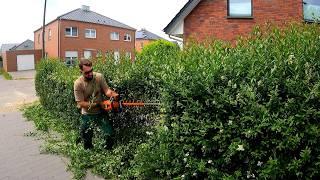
(10, 62)
(140, 43)
(102, 41)
(51, 44)
(209, 18)
(4, 61)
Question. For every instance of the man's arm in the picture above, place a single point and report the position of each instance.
(86, 104)
(110, 93)
(79, 97)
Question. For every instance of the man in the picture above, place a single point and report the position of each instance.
(88, 91)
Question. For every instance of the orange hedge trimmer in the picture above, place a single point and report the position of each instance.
(116, 106)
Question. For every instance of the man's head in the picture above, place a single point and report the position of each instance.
(86, 69)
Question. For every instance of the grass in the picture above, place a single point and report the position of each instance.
(60, 139)
(5, 74)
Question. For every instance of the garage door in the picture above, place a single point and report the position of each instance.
(25, 62)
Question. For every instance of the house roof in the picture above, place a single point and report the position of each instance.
(7, 47)
(26, 45)
(86, 15)
(144, 34)
(182, 14)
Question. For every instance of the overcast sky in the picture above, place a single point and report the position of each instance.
(19, 18)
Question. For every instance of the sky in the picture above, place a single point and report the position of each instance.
(20, 18)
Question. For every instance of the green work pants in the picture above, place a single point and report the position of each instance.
(88, 122)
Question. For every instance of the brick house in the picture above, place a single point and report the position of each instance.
(227, 19)
(20, 57)
(143, 38)
(83, 33)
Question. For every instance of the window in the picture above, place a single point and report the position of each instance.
(71, 58)
(71, 32)
(311, 10)
(99, 54)
(90, 33)
(39, 38)
(49, 34)
(87, 54)
(239, 8)
(114, 36)
(141, 45)
(128, 55)
(116, 57)
(127, 37)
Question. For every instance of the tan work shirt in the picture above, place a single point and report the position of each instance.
(90, 91)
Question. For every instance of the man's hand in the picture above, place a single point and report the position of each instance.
(116, 97)
(102, 105)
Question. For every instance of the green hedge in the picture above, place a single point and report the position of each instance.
(249, 110)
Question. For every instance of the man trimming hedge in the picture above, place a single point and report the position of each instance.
(88, 91)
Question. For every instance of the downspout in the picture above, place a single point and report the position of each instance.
(43, 31)
(59, 21)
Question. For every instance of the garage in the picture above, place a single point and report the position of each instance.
(25, 62)
(20, 57)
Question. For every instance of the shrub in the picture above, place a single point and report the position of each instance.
(5, 74)
(249, 111)
(246, 112)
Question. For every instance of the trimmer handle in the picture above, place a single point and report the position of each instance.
(112, 105)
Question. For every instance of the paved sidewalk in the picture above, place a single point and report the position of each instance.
(20, 158)
(29, 74)
(19, 155)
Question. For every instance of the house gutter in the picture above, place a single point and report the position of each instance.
(176, 38)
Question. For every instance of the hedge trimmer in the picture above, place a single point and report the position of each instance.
(116, 106)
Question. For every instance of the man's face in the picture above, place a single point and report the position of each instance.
(87, 72)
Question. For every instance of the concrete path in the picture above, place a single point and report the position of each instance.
(20, 157)
(29, 74)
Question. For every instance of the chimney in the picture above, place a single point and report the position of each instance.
(85, 8)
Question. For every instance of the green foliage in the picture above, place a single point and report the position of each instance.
(54, 86)
(251, 111)
(248, 111)
(5, 74)
(159, 49)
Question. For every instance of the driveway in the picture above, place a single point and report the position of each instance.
(14, 93)
(29, 74)
(20, 157)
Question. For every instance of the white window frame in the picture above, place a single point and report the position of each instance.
(127, 37)
(99, 54)
(311, 11)
(71, 31)
(231, 7)
(90, 33)
(87, 54)
(115, 36)
(116, 55)
(128, 55)
(71, 60)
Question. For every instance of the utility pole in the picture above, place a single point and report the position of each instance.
(43, 29)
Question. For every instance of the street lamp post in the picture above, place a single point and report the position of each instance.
(43, 29)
